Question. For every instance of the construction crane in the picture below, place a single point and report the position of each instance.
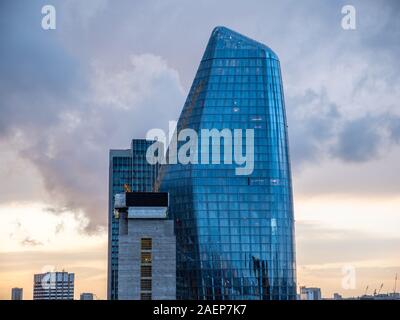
(395, 284)
(366, 289)
(380, 288)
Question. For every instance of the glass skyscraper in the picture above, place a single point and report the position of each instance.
(126, 167)
(235, 233)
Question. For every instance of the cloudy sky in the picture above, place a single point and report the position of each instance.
(114, 69)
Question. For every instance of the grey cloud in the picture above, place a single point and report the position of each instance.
(312, 119)
(28, 241)
(56, 210)
(394, 129)
(72, 156)
(20, 234)
(318, 128)
(64, 114)
(367, 138)
(37, 73)
(72, 94)
(359, 140)
(385, 17)
(368, 106)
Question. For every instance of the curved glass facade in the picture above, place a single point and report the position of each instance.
(235, 233)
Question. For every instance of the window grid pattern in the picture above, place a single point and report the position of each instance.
(235, 234)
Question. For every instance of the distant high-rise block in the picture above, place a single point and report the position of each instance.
(86, 296)
(127, 167)
(53, 286)
(16, 294)
(337, 296)
(310, 293)
(147, 247)
(235, 233)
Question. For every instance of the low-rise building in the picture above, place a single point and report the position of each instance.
(16, 294)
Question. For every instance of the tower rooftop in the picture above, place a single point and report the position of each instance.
(223, 37)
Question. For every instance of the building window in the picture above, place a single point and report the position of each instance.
(145, 296)
(146, 243)
(146, 257)
(145, 284)
(145, 271)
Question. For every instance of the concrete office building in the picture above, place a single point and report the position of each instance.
(146, 247)
(16, 294)
(53, 286)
